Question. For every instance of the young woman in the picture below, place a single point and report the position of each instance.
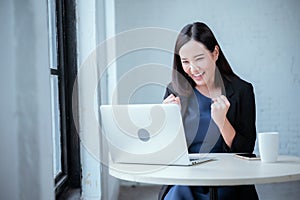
(218, 108)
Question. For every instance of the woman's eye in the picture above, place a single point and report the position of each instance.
(185, 62)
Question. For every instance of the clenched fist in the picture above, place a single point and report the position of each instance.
(219, 109)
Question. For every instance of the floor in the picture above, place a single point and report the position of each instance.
(72, 194)
(145, 192)
(277, 191)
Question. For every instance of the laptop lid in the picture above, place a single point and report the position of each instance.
(145, 134)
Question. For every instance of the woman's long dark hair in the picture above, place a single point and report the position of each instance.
(199, 32)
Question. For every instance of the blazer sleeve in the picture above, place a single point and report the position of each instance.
(167, 93)
(244, 125)
(170, 90)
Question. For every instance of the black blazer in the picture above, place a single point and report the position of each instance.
(241, 115)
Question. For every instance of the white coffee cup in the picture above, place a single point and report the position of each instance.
(268, 143)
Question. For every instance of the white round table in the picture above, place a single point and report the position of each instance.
(225, 170)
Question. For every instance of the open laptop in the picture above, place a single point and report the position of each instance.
(146, 134)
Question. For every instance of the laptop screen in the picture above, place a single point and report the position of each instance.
(144, 133)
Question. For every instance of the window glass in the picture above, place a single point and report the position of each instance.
(55, 126)
(52, 34)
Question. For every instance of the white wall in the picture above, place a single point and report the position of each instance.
(25, 119)
(95, 24)
(86, 38)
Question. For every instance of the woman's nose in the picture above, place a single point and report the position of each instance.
(193, 68)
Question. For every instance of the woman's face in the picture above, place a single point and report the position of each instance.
(199, 63)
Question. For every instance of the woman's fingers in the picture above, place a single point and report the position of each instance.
(172, 99)
(225, 100)
(177, 100)
(221, 102)
(168, 99)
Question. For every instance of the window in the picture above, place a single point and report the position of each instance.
(63, 69)
(56, 131)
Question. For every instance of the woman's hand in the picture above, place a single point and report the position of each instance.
(172, 99)
(219, 109)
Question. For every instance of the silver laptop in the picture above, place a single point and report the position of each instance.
(146, 134)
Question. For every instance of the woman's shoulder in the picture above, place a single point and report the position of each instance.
(239, 84)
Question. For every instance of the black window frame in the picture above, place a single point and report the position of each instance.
(70, 176)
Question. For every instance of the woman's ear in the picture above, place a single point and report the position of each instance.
(216, 53)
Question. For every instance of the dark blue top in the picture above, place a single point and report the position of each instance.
(208, 137)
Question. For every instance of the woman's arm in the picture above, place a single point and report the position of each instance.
(219, 109)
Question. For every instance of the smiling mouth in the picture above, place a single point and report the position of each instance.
(198, 75)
